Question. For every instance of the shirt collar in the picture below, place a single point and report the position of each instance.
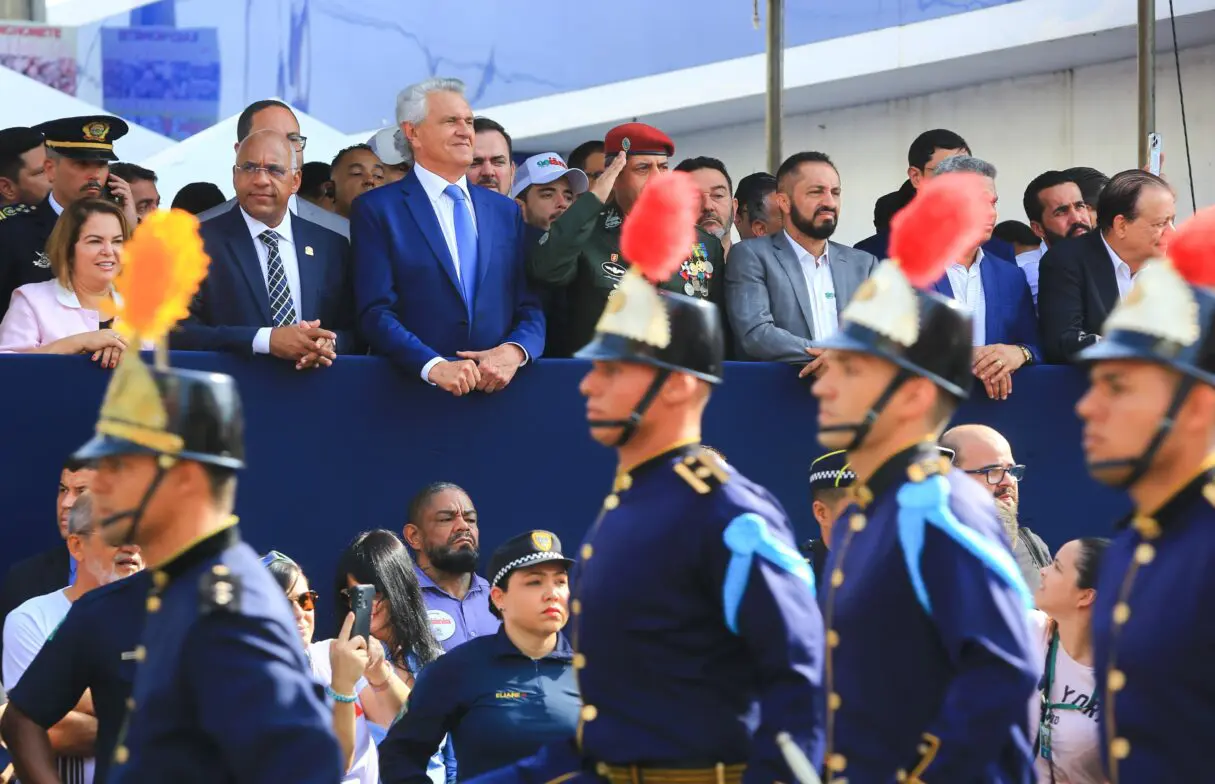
(975, 266)
(803, 254)
(56, 206)
(1114, 257)
(434, 185)
(293, 204)
(504, 648)
(67, 297)
(256, 227)
(477, 585)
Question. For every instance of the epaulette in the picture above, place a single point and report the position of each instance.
(703, 470)
(13, 210)
(928, 466)
(219, 591)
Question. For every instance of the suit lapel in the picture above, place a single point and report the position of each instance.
(481, 206)
(786, 257)
(310, 266)
(1103, 272)
(240, 244)
(991, 300)
(944, 287)
(428, 223)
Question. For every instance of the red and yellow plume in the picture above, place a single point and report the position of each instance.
(660, 230)
(162, 268)
(948, 217)
(1192, 249)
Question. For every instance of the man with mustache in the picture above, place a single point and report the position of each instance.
(493, 164)
(442, 531)
(1056, 210)
(78, 155)
(717, 207)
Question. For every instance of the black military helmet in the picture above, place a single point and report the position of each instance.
(184, 414)
(659, 328)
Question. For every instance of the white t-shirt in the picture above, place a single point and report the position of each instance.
(366, 766)
(1074, 739)
(26, 630)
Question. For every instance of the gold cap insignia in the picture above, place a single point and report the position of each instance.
(1161, 304)
(134, 408)
(625, 144)
(543, 540)
(887, 304)
(96, 131)
(635, 310)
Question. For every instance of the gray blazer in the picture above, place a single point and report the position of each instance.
(767, 300)
(302, 209)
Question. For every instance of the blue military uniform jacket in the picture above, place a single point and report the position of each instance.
(24, 230)
(929, 664)
(223, 692)
(1154, 638)
(92, 649)
(498, 704)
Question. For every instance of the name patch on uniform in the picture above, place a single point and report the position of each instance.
(613, 269)
(441, 624)
(508, 695)
(613, 220)
(42, 260)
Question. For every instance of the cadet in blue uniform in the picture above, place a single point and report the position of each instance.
(504, 696)
(93, 649)
(1149, 423)
(929, 664)
(696, 636)
(222, 689)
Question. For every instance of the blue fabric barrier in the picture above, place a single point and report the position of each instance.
(337, 451)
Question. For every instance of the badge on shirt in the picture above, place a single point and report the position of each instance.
(42, 260)
(441, 624)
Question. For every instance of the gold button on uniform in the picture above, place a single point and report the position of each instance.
(121, 755)
(1116, 680)
(141, 653)
(603, 769)
(833, 638)
(587, 550)
(160, 579)
(1144, 554)
(1122, 611)
(916, 472)
(837, 578)
(1120, 748)
(624, 482)
(576, 607)
(579, 661)
(837, 763)
(833, 701)
(857, 523)
(589, 712)
(130, 703)
(153, 604)
(611, 502)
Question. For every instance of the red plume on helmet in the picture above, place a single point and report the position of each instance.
(1192, 249)
(948, 216)
(660, 230)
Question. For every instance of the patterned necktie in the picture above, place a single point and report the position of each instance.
(466, 243)
(282, 307)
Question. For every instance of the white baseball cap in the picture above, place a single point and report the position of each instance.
(389, 145)
(545, 168)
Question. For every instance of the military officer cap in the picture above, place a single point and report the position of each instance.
(84, 138)
(527, 549)
(637, 139)
(17, 141)
(831, 471)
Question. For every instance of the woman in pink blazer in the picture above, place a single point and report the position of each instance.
(61, 316)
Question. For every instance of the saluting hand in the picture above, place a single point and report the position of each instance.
(603, 186)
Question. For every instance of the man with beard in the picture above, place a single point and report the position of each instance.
(493, 164)
(717, 207)
(986, 456)
(442, 531)
(786, 290)
(1056, 210)
(78, 155)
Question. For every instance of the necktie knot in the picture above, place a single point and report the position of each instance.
(454, 192)
(269, 237)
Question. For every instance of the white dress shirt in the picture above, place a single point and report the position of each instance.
(967, 287)
(1122, 271)
(291, 267)
(817, 271)
(56, 206)
(1028, 262)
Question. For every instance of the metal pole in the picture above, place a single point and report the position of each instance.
(1147, 76)
(776, 53)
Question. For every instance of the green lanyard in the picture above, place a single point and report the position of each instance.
(1047, 717)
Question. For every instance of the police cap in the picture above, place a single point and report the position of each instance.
(637, 139)
(89, 138)
(18, 141)
(526, 549)
(831, 471)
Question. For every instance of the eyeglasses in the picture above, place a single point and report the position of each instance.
(273, 170)
(299, 141)
(275, 555)
(306, 600)
(995, 473)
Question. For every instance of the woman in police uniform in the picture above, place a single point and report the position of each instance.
(500, 697)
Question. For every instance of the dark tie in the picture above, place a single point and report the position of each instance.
(282, 307)
(466, 243)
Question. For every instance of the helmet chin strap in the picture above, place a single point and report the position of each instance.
(629, 426)
(861, 429)
(1139, 465)
(136, 514)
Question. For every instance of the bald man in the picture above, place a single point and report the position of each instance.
(303, 312)
(986, 457)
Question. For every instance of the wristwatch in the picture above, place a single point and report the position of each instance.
(1029, 358)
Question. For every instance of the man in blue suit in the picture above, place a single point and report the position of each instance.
(440, 282)
(277, 284)
(997, 295)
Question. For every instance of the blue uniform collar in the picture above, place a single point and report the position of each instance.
(899, 469)
(504, 648)
(1152, 526)
(675, 452)
(200, 551)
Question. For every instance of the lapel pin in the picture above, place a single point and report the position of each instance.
(308, 250)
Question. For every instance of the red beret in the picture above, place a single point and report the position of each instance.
(637, 139)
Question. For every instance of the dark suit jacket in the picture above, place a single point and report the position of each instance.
(39, 574)
(1077, 290)
(1009, 306)
(878, 244)
(232, 303)
(410, 303)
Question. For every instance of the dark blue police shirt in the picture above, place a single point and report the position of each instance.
(222, 690)
(93, 648)
(498, 704)
(1153, 639)
(937, 692)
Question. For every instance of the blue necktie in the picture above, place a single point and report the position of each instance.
(466, 243)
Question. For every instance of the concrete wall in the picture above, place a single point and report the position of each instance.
(1078, 117)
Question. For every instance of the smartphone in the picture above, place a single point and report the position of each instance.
(1155, 144)
(361, 597)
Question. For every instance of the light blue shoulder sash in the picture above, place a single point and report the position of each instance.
(747, 536)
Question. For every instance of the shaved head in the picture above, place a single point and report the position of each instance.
(962, 437)
(981, 447)
(267, 172)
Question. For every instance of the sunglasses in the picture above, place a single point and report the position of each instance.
(306, 600)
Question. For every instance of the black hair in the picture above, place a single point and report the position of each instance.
(578, 158)
(1121, 196)
(198, 197)
(285, 572)
(244, 124)
(794, 162)
(379, 558)
(418, 503)
(73, 465)
(1091, 182)
(885, 208)
(313, 176)
(1015, 232)
(485, 124)
(1088, 562)
(752, 194)
(132, 172)
(828, 495)
(704, 162)
(928, 142)
(338, 158)
(1032, 201)
(17, 142)
(223, 484)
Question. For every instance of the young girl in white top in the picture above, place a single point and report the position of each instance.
(1064, 710)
